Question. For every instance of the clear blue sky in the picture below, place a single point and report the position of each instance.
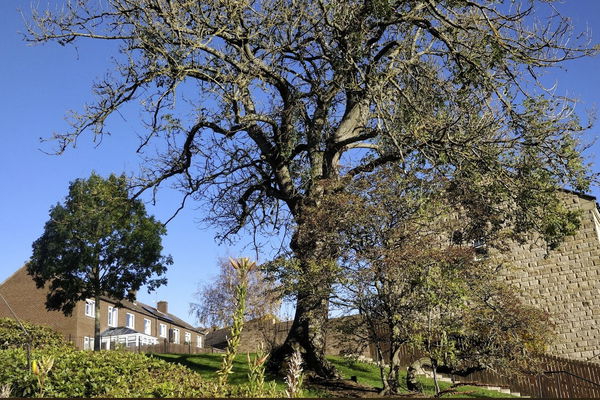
(41, 83)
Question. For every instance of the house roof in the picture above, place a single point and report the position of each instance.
(580, 194)
(152, 312)
(118, 331)
(135, 306)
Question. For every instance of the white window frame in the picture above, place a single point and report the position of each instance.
(176, 336)
(130, 320)
(113, 316)
(199, 341)
(596, 219)
(162, 332)
(90, 308)
(188, 338)
(147, 326)
(88, 343)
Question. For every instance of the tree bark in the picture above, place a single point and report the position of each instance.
(97, 323)
(307, 333)
(316, 256)
(412, 384)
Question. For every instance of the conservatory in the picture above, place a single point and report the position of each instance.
(125, 337)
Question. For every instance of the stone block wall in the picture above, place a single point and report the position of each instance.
(272, 334)
(565, 282)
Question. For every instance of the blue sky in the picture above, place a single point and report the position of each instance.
(41, 83)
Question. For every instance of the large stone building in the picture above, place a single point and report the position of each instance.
(128, 323)
(566, 282)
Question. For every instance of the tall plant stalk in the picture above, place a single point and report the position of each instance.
(242, 267)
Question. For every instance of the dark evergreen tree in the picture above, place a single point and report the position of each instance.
(100, 242)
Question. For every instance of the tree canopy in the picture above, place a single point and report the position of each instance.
(99, 242)
(259, 108)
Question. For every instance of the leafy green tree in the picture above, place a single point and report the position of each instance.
(422, 272)
(100, 242)
(261, 108)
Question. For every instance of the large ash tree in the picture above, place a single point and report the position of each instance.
(260, 108)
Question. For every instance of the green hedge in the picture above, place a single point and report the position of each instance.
(12, 335)
(78, 373)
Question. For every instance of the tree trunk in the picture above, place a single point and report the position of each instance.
(412, 384)
(97, 323)
(316, 255)
(435, 379)
(308, 334)
(381, 362)
(312, 307)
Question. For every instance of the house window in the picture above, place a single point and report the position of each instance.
(199, 341)
(596, 219)
(147, 326)
(188, 338)
(176, 335)
(88, 343)
(130, 320)
(90, 308)
(113, 316)
(163, 330)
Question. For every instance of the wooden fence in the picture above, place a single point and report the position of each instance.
(562, 378)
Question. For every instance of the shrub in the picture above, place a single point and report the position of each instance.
(101, 374)
(12, 335)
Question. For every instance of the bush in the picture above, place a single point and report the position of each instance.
(12, 336)
(101, 374)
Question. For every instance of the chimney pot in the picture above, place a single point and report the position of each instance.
(163, 307)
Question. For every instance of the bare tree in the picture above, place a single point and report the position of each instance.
(216, 300)
(289, 100)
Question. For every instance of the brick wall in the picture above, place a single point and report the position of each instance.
(85, 324)
(28, 303)
(566, 283)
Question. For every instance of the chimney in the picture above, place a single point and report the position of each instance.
(163, 307)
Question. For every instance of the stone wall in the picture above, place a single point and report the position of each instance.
(566, 283)
(272, 334)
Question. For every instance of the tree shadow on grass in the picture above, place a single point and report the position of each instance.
(207, 365)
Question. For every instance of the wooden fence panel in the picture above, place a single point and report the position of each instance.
(562, 378)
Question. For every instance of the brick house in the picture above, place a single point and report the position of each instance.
(128, 324)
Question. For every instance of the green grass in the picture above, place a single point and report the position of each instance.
(208, 364)
(367, 374)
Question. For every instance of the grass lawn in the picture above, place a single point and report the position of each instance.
(367, 374)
